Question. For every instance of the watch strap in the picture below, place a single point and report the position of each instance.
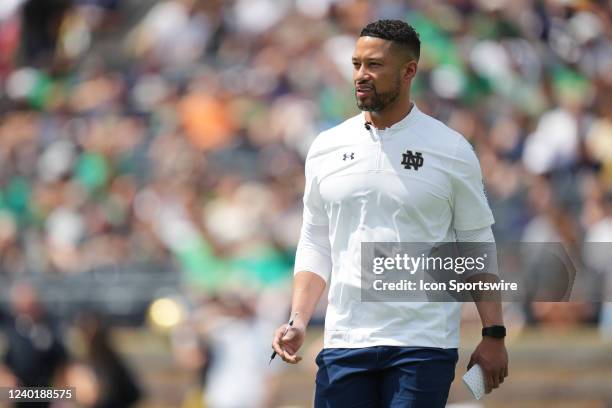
(498, 332)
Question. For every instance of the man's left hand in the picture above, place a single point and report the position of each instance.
(492, 357)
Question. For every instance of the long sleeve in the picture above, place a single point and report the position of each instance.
(471, 210)
(477, 242)
(314, 250)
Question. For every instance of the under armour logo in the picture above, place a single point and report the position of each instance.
(411, 160)
(346, 156)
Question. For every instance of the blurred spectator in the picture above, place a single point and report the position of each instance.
(41, 23)
(236, 357)
(173, 33)
(193, 354)
(115, 385)
(599, 258)
(553, 246)
(35, 356)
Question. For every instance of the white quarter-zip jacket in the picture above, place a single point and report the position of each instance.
(416, 181)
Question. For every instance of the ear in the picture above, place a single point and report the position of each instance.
(409, 70)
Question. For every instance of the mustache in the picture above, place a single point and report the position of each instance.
(365, 85)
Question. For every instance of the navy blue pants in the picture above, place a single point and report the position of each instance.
(384, 376)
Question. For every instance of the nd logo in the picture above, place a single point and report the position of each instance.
(412, 160)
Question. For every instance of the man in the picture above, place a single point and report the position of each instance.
(35, 355)
(391, 173)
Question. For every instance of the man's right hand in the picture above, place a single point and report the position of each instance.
(287, 344)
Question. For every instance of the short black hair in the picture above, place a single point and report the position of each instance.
(398, 31)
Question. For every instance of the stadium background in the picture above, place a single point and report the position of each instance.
(151, 172)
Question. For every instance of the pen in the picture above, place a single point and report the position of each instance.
(286, 330)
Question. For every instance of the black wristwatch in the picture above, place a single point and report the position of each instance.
(497, 332)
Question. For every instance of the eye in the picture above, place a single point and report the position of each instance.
(356, 65)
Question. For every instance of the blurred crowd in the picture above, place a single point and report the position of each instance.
(124, 127)
(153, 131)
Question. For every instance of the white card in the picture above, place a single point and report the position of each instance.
(474, 380)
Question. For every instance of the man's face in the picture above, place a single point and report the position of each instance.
(377, 74)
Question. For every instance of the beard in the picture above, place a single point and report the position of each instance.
(379, 101)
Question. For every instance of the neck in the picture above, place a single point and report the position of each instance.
(391, 114)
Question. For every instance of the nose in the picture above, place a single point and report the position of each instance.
(362, 74)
